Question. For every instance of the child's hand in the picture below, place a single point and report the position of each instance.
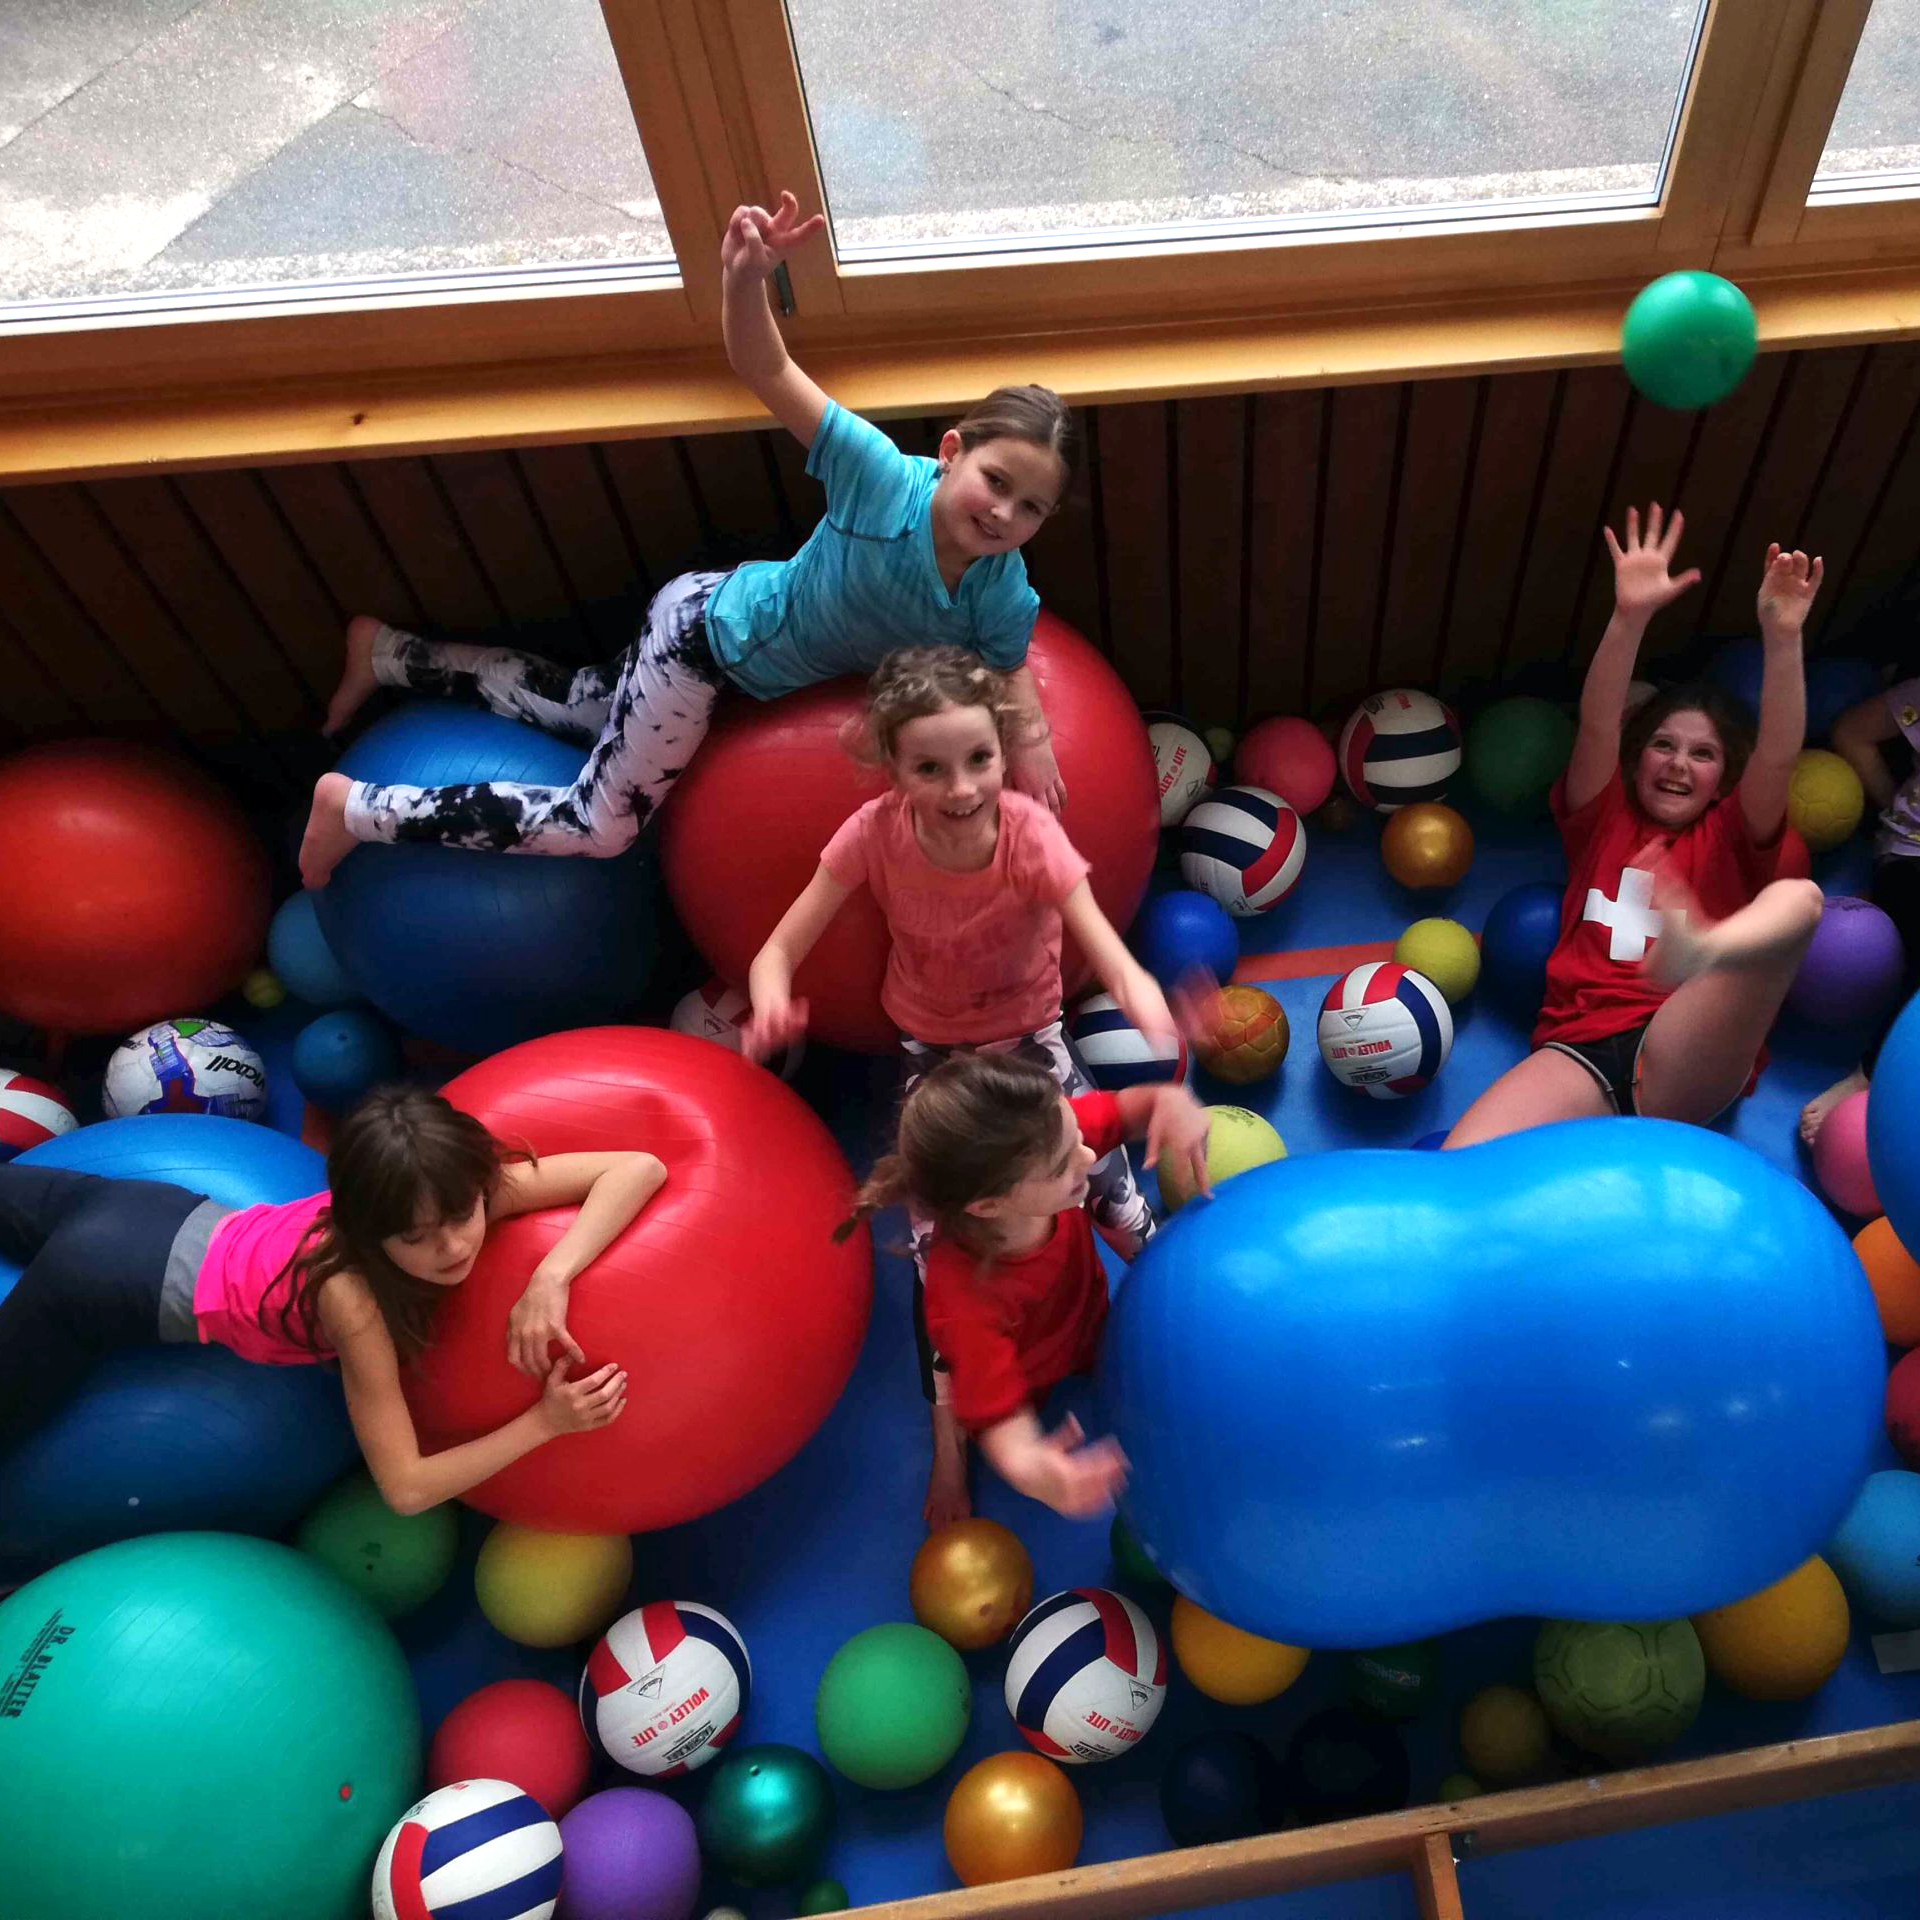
(1137, 994)
(1034, 771)
(579, 1406)
(539, 1321)
(1682, 948)
(1787, 587)
(756, 242)
(1076, 1476)
(772, 1027)
(1177, 1131)
(1643, 581)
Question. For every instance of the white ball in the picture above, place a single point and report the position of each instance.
(1086, 1675)
(1184, 766)
(185, 1066)
(469, 1842)
(1116, 1054)
(665, 1687)
(1245, 847)
(1385, 1030)
(719, 1012)
(1400, 746)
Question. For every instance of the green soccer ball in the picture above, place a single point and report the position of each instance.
(1621, 1691)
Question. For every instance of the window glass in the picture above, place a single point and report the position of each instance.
(1876, 132)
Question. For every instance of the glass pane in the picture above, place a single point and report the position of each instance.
(1019, 119)
(1876, 131)
(191, 146)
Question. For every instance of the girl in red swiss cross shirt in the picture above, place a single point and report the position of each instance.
(1678, 935)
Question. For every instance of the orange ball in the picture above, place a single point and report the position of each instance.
(1011, 1815)
(1895, 1279)
(1241, 1034)
(1427, 845)
(971, 1583)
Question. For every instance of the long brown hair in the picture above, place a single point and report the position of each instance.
(1730, 718)
(912, 683)
(972, 1129)
(1036, 415)
(401, 1153)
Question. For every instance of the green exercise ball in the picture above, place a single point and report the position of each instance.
(893, 1706)
(824, 1896)
(1129, 1558)
(395, 1562)
(1400, 1683)
(1689, 339)
(195, 1724)
(1516, 750)
(767, 1814)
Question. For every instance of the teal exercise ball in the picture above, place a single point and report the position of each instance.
(1689, 339)
(195, 1724)
(767, 1815)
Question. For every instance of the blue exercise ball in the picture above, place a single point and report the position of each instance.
(478, 951)
(1893, 1152)
(298, 952)
(1737, 667)
(1516, 943)
(1179, 931)
(1835, 682)
(1606, 1370)
(343, 1055)
(169, 1437)
(1872, 1549)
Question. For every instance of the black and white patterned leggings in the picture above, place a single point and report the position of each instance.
(644, 713)
(1119, 1207)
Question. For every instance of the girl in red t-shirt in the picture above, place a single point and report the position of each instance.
(1678, 937)
(977, 885)
(999, 1159)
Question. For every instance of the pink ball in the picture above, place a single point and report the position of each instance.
(1903, 1408)
(1840, 1159)
(1287, 757)
(521, 1731)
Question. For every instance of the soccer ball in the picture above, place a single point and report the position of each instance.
(1621, 1691)
(185, 1066)
(1241, 1035)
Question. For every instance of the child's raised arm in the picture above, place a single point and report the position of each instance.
(1643, 583)
(755, 244)
(1062, 1469)
(1787, 587)
(778, 1019)
(1857, 738)
(1135, 991)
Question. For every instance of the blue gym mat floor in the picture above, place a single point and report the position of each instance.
(822, 1550)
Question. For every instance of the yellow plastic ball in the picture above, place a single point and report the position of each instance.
(1783, 1642)
(1505, 1736)
(1445, 952)
(551, 1589)
(1824, 799)
(262, 988)
(1236, 1668)
(1237, 1139)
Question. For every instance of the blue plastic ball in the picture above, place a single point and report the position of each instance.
(1836, 682)
(1515, 945)
(1182, 930)
(1738, 666)
(1892, 1152)
(341, 1056)
(298, 952)
(1432, 1142)
(1873, 1549)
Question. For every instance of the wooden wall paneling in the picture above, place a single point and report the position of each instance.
(1517, 419)
(80, 546)
(206, 604)
(1433, 498)
(1364, 436)
(650, 480)
(37, 707)
(1133, 501)
(597, 551)
(1064, 558)
(504, 535)
(328, 520)
(1886, 558)
(425, 538)
(1283, 521)
(804, 496)
(1209, 474)
(238, 516)
(740, 511)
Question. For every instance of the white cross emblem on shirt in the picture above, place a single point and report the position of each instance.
(1632, 920)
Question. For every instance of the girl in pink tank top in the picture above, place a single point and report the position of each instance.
(353, 1275)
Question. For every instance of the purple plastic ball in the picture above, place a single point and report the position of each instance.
(1852, 971)
(630, 1854)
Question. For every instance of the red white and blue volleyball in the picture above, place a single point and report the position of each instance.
(1385, 1030)
(1400, 746)
(1116, 1054)
(1246, 847)
(31, 1113)
(665, 1688)
(1182, 765)
(1086, 1675)
(478, 1847)
(719, 1013)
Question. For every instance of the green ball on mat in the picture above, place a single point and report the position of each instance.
(893, 1705)
(1516, 749)
(1623, 1691)
(1129, 1562)
(824, 1896)
(1400, 1683)
(395, 1562)
(1689, 339)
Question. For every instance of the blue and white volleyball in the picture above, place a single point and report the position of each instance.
(476, 1847)
(1184, 766)
(1116, 1054)
(1245, 847)
(1385, 1030)
(665, 1688)
(1086, 1676)
(719, 1013)
(185, 1066)
(1400, 746)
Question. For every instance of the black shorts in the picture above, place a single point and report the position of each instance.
(1614, 1062)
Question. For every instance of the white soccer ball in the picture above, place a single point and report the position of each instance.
(185, 1066)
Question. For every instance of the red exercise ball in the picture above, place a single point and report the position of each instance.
(1292, 758)
(744, 830)
(736, 1316)
(130, 888)
(1903, 1408)
(522, 1731)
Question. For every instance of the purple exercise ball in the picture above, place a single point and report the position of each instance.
(630, 1854)
(1852, 971)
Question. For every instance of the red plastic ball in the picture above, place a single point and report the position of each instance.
(1903, 1408)
(736, 1316)
(130, 888)
(522, 1731)
(1292, 758)
(748, 819)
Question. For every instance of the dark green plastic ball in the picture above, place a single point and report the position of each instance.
(893, 1706)
(1400, 1683)
(1689, 339)
(1129, 1561)
(1516, 750)
(824, 1896)
(395, 1562)
(767, 1815)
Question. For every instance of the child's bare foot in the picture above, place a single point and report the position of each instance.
(326, 841)
(1813, 1116)
(948, 1496)
(356, 677)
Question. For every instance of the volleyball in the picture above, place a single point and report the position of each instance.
(1385, 1030)
(719, 1013)
(665, 1688)
(1086, 1675)
(1116, 1054)
(31, 1113)
(478, 1846)
(1184, 767)
(1400, 745)
(1246, 847)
